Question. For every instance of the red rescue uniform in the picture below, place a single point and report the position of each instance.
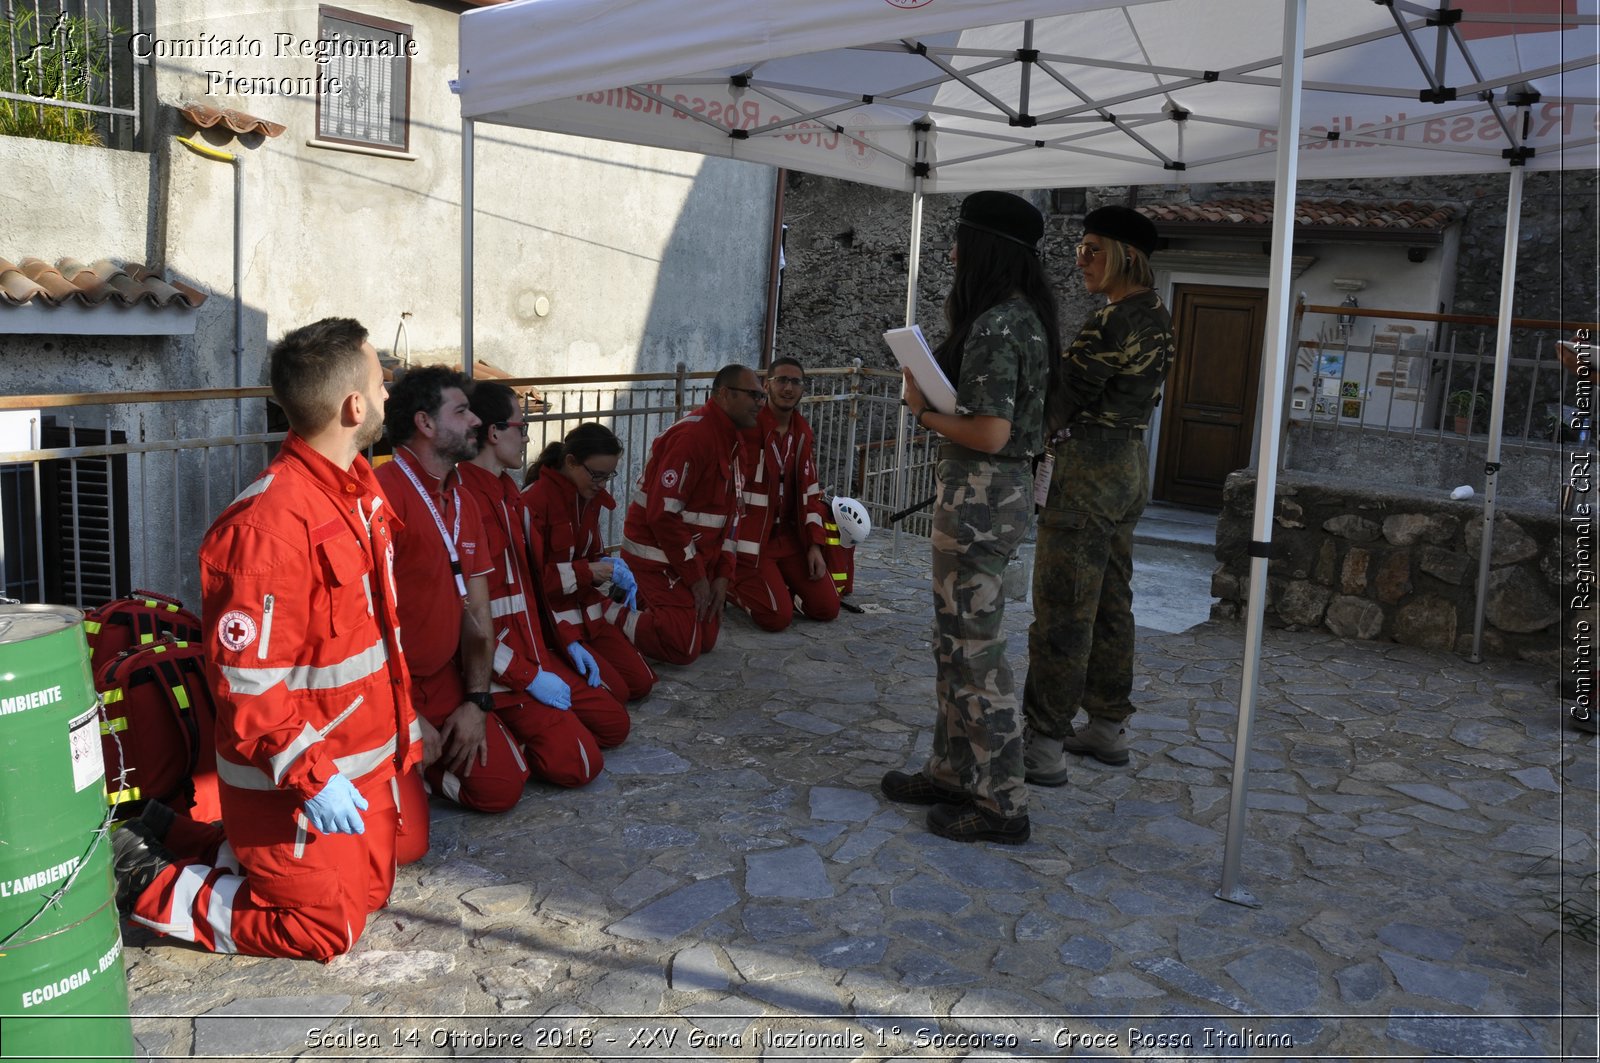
(783, 518)
(431, 602)
(303, 654)
(565, 530)
(677, 531)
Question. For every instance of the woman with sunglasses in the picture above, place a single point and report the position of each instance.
(1003, 334)
(1103, 390)
(565, 498)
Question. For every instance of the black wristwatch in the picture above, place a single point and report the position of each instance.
(483, 699)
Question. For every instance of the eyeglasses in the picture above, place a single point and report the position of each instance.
(789, 381)
(521, 426)
(600, 477)
(1088, 250)
(755, 393)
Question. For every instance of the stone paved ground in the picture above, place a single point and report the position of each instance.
(734, 886)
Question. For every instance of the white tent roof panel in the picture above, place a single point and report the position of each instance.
(834, 86)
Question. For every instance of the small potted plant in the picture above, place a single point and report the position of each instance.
(1461, 405)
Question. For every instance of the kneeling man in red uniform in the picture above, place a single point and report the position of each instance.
(314, 726)
(781, 533)
(677, 537)
(443, 566)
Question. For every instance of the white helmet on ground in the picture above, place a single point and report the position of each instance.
(851, 517)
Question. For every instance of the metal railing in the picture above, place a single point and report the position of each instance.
(68, 71)
(1425, 380)
(101, 493)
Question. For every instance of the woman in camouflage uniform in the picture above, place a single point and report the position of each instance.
(1003, 333)
(1102, 392)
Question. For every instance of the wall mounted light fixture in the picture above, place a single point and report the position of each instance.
(1348, 285)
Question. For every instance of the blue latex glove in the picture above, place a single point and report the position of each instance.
(337, 808)
(550, 689)
(583, 661)
(622, 576)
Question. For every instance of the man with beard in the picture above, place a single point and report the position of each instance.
(442, 567)
(314, 726)
(781, 532)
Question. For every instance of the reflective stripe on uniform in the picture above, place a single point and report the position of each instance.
(358, 666)
(704, 520)
(651, 553)
(260, 485)
(281, 760)
(569, 577)
(353, 766)
(507, 606)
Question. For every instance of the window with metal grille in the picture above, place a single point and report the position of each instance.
(365, 95)
(72, 71)
(66, 521)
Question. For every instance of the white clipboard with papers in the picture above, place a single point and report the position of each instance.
(911, 351)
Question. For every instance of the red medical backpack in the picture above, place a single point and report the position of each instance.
(136, 621)
(158, 733)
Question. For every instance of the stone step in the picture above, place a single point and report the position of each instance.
(1164, 524)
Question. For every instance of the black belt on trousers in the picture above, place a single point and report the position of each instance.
(1100, 431)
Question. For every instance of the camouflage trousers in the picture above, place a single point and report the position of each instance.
(980, 516)
(1080, 645)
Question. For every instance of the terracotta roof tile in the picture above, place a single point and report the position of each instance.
(1315, 213)
(206, 117)
(70, 281)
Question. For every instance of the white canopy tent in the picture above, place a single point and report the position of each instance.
(1042, 93)
(958, 95)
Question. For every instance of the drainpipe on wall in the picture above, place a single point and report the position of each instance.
(769, 329)
(210, 152)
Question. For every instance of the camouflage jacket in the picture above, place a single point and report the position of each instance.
(1003, 369)
(1114, 370)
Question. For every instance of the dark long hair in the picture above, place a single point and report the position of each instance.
(989, 270)
(582, 442)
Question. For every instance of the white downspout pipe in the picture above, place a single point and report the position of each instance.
(209, 152)
(466, 245)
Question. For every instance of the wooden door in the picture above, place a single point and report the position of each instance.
(1208, 415)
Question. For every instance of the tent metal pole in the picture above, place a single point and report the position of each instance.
(1497, 401)
(466, 245)
(1288, 162)
(913, 270)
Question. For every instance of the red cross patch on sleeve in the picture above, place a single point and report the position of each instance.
(236, 630)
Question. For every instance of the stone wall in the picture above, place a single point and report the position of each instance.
(1396, 565)
(847, 245)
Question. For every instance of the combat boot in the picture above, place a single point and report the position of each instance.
(1043, 760)
(970, 823)
(1104, 740)
(137, 858)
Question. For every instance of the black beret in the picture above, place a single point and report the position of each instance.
(1005, 215)
(1124, 224)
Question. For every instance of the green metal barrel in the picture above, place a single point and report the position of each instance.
(62, 987)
